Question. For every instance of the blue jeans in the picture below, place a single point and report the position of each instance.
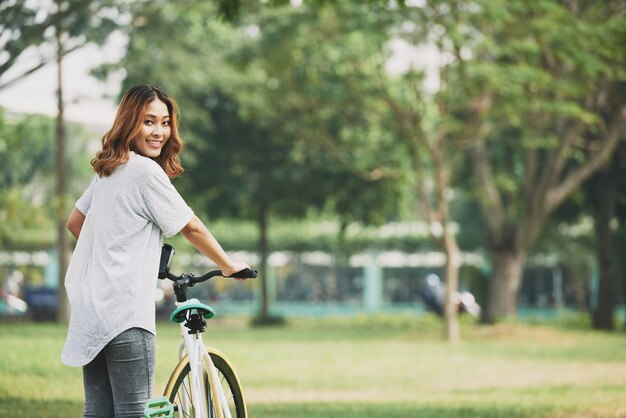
(118, 382)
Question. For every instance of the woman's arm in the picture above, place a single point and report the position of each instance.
(75, 222)
(199, 236)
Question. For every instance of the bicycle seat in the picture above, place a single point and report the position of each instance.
(180, 314)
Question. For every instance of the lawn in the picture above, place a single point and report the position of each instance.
(380, 366)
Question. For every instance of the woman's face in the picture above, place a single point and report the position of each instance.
(155, 130)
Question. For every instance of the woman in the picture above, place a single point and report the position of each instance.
(119, 222)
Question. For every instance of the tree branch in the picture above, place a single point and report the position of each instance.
(490, 198)
(41, 64)
(575, 179)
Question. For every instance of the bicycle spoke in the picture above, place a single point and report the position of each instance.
(181, 397)
(182, 392)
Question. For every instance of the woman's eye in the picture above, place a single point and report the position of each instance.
(148, 122)
(166, 123)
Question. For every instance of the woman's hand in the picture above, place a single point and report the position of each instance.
(232, 268)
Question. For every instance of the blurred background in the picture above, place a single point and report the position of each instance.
(366, 156)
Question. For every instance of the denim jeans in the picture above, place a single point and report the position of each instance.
(118, 382)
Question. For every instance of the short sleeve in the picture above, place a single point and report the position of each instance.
(84, 202)
(165, 206)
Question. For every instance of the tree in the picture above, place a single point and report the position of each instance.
(584, 233)
(20, 29)
(538, 105)
(27, 30)
(76, 23)
(569, 236)
(243, 162)
(257, 176)
(222, 168)
(328, 66)
(434, 157)
(605, 199)
(64, 25)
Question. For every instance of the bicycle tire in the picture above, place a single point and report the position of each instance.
(177, 391)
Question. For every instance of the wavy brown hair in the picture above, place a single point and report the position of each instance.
(116, 143)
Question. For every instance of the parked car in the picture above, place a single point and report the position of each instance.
(43, 303)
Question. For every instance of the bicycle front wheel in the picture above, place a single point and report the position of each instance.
(179, 393)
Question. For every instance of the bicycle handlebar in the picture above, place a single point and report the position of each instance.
(185, 280)
(191, 280)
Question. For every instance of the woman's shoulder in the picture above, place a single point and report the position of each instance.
(138, 164)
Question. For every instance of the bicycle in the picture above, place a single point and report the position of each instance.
(204, 383)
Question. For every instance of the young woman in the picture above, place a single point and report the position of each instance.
(119, 222)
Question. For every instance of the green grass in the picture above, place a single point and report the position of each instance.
(379, 366)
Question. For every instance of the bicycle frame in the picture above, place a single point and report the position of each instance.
(200, 361)
(189, 314)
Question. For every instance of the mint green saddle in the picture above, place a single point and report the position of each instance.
(179, 315)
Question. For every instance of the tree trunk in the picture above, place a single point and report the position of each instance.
(453, 330)
(341, 261)
(264, 255)
(578, 279)
(603, 315)
(506, 277)
(62, 241)
(442, 177)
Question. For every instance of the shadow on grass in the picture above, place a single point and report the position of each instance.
(348, 410)
(51, 408)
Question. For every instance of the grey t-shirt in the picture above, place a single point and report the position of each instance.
(111, 279)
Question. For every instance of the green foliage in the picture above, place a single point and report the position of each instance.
(532, 70)
(313, 235)
(318, 72)
(246, 121)
(26, 150)
(27, 157)
(534, 91)
(536, 62)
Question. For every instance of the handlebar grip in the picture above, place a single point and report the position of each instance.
(246, 273)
